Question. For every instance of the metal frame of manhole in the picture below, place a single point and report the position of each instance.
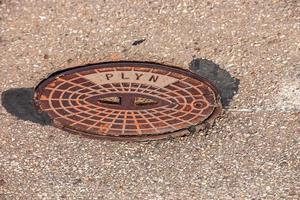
(124, 100)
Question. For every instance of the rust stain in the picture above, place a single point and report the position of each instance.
(104, 128)
(116, 57)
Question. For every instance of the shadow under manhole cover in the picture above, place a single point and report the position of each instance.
(127, 100)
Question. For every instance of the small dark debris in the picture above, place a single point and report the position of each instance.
(283, 164)
(77, 181)
(50, 137)
(70, 60)
(2, 182)
(46, 56)
(192, 129)
(137, 42)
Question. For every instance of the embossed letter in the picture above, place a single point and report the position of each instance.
(153, 78)
(123, 76)
(138, 76)
(108, 76)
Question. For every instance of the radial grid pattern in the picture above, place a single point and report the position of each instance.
(74, 100)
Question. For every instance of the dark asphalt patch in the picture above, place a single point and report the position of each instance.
(19, 102)
(226, 84)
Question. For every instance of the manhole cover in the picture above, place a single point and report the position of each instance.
(127, 100)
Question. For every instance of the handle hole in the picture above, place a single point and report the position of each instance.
(140, 101)
(110, 100)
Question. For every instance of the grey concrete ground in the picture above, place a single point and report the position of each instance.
(252, 152)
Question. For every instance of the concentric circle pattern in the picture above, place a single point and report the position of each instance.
(126, 100)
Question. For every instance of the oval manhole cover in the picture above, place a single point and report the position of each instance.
(127, 100)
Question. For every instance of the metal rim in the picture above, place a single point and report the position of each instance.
(122, 65)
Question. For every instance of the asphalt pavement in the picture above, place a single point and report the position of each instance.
(251, 152)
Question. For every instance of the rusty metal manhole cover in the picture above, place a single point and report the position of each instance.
(127, 100)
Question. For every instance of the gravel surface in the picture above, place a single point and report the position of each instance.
(252, 151)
